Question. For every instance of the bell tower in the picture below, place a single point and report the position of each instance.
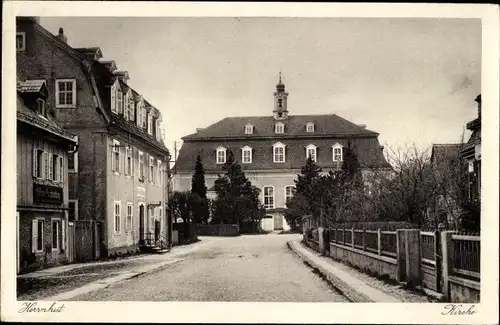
(280, 111)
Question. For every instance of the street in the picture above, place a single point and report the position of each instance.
(247, 268)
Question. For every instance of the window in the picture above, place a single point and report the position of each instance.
(140, 108)
(248, 129)
(116, 98)
(66, 93)
(157, 129)
(72, 210)
(310, 127)
(131, 107)
(269, 197)
(56, 228)
(20, 41)
(311, 152)
(116, 156)
(150, 123)
(118, 217)
(130, 209)
(246, 155)
(279, 128)
(143, 117)
(160, 178)
(151, 170)
(40, 107)
(279, 152)
(221, 155)
(141, 166)
(289, 193)
(337, 152)
(40, 164)
(119, 101)
(37, 235)
(128, 167)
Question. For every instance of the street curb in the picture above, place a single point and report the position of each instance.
(355, 290)
(104, 283)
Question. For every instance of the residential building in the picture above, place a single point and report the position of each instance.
(273, 149)
(42, 181)
(471, 153)
(119, 177)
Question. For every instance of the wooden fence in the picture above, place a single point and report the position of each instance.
(466, 255)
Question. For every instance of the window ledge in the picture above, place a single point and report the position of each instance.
(65, 106)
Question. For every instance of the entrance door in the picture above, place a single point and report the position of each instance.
(157, 229)
(278, 222)
(141, 224)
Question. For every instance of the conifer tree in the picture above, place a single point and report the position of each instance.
(198, 180)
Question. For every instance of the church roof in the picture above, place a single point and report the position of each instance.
(295, 125)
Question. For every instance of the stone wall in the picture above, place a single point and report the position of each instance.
(218, 230)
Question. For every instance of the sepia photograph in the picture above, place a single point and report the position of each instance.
(249, 159)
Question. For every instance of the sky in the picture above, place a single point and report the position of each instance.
(410, 80)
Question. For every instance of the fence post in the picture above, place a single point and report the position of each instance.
(352, 237)
(400, 254)
(363, 239)
(447, 261)
(437, 259)
(379, 241)
(412, 252)
(321, 242)
(343, 236)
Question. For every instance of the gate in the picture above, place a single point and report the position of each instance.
(71, 242)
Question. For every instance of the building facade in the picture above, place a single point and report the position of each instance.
(471, 153)
(118, 180)
(272, 150)
(42, 181)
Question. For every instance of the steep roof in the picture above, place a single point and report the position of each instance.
(368, 150)
(234, 127)
(444, 154)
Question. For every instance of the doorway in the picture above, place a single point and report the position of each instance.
(141, 224)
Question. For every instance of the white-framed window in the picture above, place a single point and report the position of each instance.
(246, 155)
(289, 193)
(39, 163)
(249, 129)
(160, 178)
(56, 234)
(20, 41)
(130, 209)
(119, 101)
(268, 197)
(72, 210)
(279, 127)
(55, 167)
(37, 235)
(131, 106)
(144, 117)
(128, 164)
(117, 217)
(221, 155)
(337, 152)
(279, 152)
(157, 129)
(115, 162)
(310, 127)
(311, 152)
(140, 109)
(40, 107)
(151, 170)
(65, 93)
(73, 160)
(116, 98)
(141, 165)
(150, 123)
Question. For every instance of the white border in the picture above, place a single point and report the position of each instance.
(261, 312)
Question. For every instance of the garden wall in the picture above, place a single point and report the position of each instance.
(218, 230)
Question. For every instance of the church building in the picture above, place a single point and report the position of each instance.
(272, 150)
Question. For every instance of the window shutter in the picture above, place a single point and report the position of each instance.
(35, 163)
(45, 165)
(113, 99)
(63, 234)
(74, 92)
(34, 235)
(61, 169)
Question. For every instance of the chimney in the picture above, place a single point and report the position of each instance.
(363, 126)
(478, 101)
(61, 35)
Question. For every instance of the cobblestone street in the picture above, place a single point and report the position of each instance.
(247, 268)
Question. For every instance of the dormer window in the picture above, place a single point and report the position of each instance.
(249, 129)
(131, 106)
(20, 41)
(337, 152)
(310, 127)
(150, 124)
(116, 98)
(246, 155)
(221, 155)
(40, 107)
(279, 152)
(311, 152)
(279, 128)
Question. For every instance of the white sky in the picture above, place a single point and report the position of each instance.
(411, 80)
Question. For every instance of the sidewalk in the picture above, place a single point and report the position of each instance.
(67, 281)
(356, 286)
